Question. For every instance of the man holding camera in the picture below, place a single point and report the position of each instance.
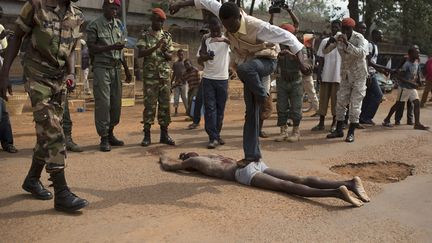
(353, 48)
(106, 40)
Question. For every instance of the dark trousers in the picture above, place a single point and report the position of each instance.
(400, 111)
(198, 104)
(371, 101)
(67, 121)
(251, 74)
(216, 94)
(6, 136)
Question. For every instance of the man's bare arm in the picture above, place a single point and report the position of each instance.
(175, 7)
(294, 18)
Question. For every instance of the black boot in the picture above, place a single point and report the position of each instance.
(164, 137)
(104, 145)
(113, 141)
(64, 199)
(71, 145)
(147, 138)
(320, 125)
(32, 183)
(350, 135)
(339, 131)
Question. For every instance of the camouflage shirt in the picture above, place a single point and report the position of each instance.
(53, 37)
(354, 65)
(155, 65)
(104, 32)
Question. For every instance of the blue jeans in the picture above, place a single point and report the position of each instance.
(181, 91)
(371, 101)
(216, 94)
(198, 105)
(251, 74)
(6, 136)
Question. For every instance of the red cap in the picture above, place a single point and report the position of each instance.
(288, 27)
(348, 22)
(116, 2)
(159, 12)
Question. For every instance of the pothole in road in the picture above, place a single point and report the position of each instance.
(376, 171)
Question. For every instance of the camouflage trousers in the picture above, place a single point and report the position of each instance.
(47, 100)
(351, 92)
(289, 101)
(157, 94)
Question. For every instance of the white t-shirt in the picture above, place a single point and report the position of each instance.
(3, 44)
(332, 64)
(374, 56)
(217, 68)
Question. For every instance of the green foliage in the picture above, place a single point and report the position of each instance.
(406, 22)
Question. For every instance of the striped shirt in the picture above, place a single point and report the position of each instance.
(192, 77)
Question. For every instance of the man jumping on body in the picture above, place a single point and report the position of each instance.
(258, 174)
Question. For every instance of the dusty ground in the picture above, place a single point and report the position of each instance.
(132, 200)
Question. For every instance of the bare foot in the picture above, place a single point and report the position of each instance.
(348, 198)
(359, 190)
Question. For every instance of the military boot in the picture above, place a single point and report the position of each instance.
(283, 136)
(113, 141)
(32, 183)
(71, 145)
(164, 137)
(104, 145)
(295, 135)
(147, 138)
(64, 199)
(339, 131)
(350, 134)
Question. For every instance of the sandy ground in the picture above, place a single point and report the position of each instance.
(132, 200)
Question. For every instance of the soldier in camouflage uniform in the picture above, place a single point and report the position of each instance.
(155, 45)
(53, 27)
(353, 48)
(106, 40)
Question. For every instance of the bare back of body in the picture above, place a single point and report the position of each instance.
(211, 165)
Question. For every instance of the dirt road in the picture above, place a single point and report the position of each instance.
(132, 200)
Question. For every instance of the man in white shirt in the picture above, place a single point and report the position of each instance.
(328, 77)
(6, 135)
(214, 54)
(374, 95)
(252, 42)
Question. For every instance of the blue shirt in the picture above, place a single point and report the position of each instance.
(410, 73)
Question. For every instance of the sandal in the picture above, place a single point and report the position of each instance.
(10, 148)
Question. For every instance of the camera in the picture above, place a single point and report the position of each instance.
(276, 5)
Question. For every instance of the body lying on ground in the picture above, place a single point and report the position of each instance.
(258, 174)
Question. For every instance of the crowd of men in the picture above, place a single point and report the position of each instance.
(252, 48)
